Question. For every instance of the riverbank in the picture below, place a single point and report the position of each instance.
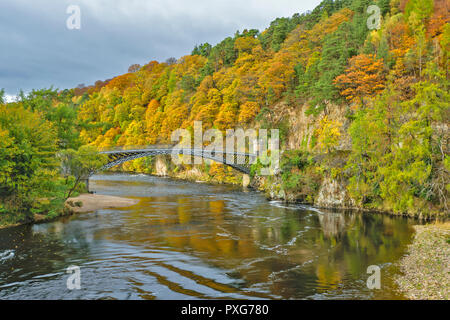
(426, 268)
(93, 202)
(330, 194)
(82, 204)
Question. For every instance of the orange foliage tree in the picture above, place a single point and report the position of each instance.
(363, 78)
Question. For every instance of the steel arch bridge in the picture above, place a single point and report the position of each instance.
(237, 160)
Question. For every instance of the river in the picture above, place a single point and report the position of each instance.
(198, 241)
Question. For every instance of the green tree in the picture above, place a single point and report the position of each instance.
(416, 11)
(335, 53)
(28, 163)
(398, 149)
(202, 50)
(81, 164)
(58, 108)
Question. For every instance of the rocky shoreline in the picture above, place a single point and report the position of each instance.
(426, 268)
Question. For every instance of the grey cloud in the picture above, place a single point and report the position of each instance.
(37, 50)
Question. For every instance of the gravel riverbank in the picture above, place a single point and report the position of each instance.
(426, 268)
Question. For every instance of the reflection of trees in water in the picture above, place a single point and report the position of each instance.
(282, 248)
(333, 224)
(365, 239)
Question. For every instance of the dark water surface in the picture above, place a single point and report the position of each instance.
(187, 241)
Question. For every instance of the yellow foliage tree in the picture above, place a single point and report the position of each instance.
(249, 110)
(328, 133)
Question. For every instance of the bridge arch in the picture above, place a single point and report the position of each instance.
(240, 161)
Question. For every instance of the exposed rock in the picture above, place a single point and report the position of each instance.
(193, 174)
(271, 187)
(302, 126)
(333, 194)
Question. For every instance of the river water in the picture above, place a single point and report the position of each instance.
(198, 241)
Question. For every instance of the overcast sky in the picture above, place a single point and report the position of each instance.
(38, 50)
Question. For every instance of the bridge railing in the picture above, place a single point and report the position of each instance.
(168, 146)
(130, 148)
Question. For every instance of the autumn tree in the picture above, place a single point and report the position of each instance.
(248, 111)
(362, 79)
(245, 44)
(134, 68)
(328, 134)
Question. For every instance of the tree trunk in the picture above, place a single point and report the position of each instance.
(74, 187)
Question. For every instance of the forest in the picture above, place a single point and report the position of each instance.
(392, 84)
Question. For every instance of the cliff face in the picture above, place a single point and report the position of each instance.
(332, 192)
(302, 126)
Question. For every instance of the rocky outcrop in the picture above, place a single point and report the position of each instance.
(193, 174)
(334, 194)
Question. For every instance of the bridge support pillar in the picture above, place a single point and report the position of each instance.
(245, 180)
